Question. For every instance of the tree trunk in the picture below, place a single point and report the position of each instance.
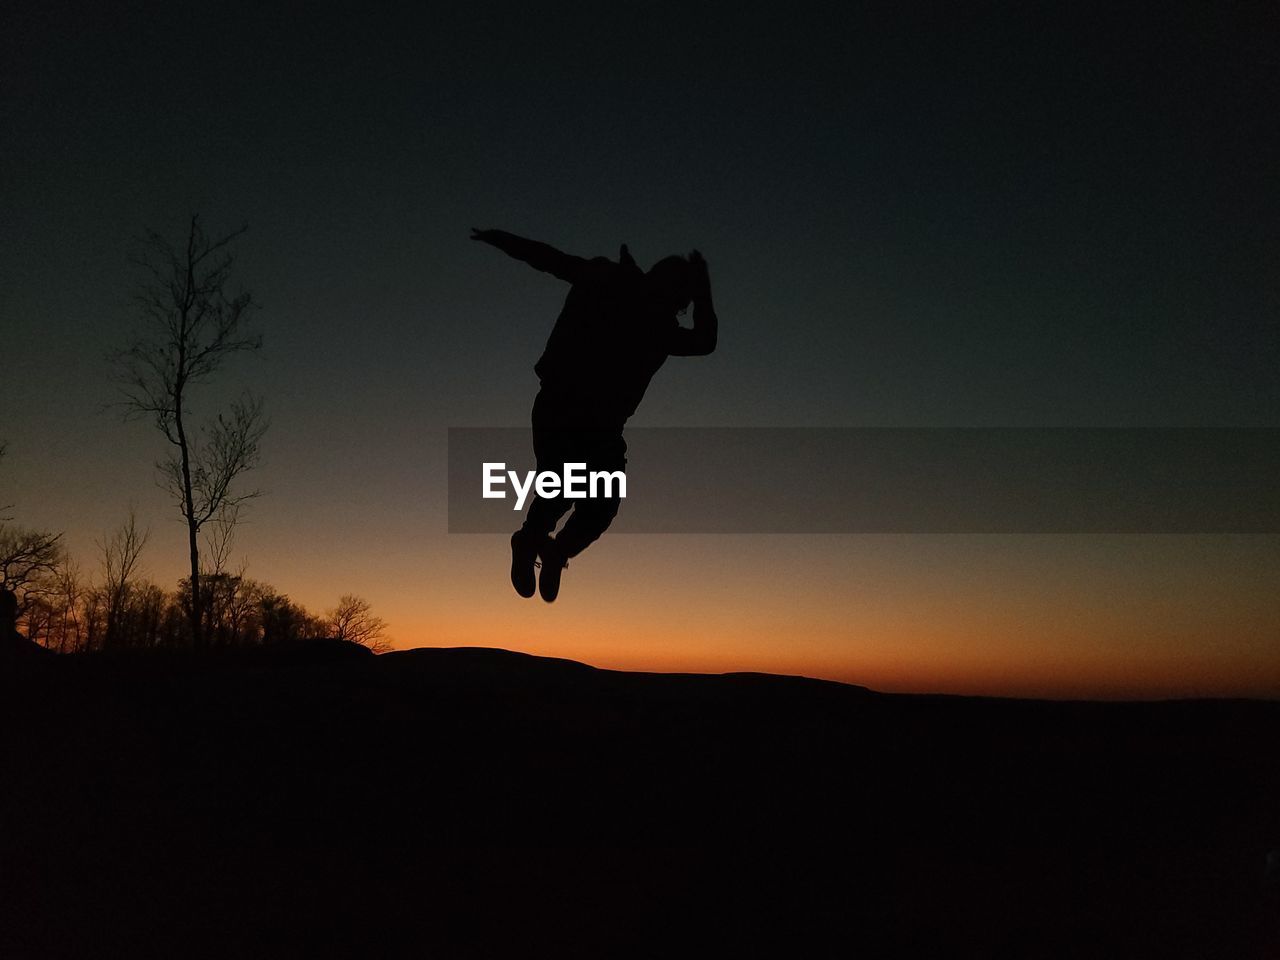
(179, 387)
(189, 514)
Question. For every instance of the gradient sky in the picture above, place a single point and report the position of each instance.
(996, 216)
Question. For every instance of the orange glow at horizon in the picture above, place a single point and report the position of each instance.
(1043, 616)
(1069, 618)
(887, 666)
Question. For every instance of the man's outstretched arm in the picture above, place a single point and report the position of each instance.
(701, 339)
(540, 256)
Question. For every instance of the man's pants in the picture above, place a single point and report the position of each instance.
(564, 433)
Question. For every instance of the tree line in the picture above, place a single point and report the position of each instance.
(190, 324)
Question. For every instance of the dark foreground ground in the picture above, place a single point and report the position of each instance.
(460, 803)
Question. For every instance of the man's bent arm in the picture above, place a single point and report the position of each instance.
(540, 256)
(701, 339)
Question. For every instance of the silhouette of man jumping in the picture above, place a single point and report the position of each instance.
(617, 327)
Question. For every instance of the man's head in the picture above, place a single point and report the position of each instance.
(671, 279)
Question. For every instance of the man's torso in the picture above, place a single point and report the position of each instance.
(608, 342)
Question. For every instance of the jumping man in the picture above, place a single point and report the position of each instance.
(617, 327)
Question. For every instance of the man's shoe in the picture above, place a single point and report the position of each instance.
(553, 562)
(524, 554)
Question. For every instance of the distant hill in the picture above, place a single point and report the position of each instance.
(481, 802)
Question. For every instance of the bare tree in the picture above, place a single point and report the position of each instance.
(28, 558)
(191, 327)
(353, 620)
(219, 538)
(283, 621)
(121, 553)
(29, 564)
(68, 633)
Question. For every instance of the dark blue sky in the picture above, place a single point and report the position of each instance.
(999, 215)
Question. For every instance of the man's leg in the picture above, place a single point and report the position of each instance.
(590, 517)
(526, 542)
(588, 521)
(540, 521)
(553, 443)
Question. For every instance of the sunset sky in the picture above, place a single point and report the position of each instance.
(995, 217)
